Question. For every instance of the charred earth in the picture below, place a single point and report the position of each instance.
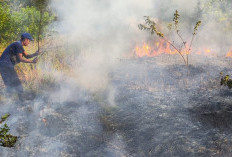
(150, 109)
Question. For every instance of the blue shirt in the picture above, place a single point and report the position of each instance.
(9, 56)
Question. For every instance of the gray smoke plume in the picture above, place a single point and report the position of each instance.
(113, 104)
(105, 31)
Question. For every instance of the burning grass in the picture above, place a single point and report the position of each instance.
(159, 111)
(183, 49)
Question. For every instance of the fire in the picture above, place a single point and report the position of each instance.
(144, 51)
(229, 54)
(158, 49)
(207, 51)
(44, 121)
(162, 47)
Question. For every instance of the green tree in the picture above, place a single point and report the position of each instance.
(7, 24)
(29, 19)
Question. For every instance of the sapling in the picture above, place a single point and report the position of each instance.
(151, 26)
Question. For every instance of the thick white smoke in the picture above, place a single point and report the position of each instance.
(99, 33)
(103, 31)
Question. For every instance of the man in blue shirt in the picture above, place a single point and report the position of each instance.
(11, 56)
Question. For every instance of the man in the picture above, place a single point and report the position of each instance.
(11, 56)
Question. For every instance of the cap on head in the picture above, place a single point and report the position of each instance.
(26, 36)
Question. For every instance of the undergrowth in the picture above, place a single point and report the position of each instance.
(6, 139)
(226, 80)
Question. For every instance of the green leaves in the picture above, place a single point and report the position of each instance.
(13, 23)
(176, 20)
(4, 117)
(6, 139)
(6, 24)
(28, 20)
(196, 27)
(4, 130)
(150, 26)
(226, 81)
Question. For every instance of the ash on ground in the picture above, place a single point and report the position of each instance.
(150, 109)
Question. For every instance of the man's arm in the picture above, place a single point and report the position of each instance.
(27, 56)
(24, 60)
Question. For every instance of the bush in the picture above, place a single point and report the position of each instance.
(7, 25)
(28, 20)
(14, 23)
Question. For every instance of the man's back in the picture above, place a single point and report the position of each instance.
(9, 56)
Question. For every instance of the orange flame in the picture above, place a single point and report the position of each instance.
(229, 54)
(144, 51)
(44, 121)
(158, 49)
(207, 51)
(162, 47)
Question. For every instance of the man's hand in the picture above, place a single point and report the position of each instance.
(39, 52)
(35, 60)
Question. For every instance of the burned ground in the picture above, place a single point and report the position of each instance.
(157, 110)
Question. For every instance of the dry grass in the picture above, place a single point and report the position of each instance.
(40, 76)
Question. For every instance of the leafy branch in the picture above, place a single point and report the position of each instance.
(4, 117)
(226, 80)
(6, 139)
(151, 26)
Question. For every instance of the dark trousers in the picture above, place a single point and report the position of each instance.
(11, 80)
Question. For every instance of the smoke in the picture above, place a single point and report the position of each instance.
(97, 19)
(98, 37)
(214, 31)
(103, 32)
